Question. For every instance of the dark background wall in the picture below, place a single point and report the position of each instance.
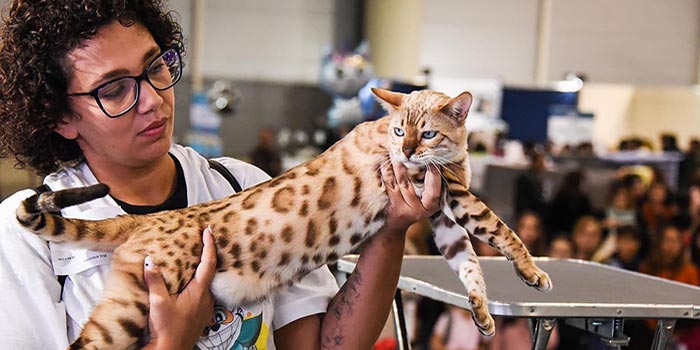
(263, 104)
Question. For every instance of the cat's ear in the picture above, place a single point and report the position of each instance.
(390, 100)
(363, 50)
(458, 107)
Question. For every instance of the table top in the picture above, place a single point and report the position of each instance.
(581, 289)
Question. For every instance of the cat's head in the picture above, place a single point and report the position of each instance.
(343, 73)
(426, 126)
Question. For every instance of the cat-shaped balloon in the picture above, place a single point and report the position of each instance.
(343, 74)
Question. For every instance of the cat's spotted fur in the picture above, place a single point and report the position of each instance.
(274, 233)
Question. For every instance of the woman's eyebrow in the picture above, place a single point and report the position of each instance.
(120, 72)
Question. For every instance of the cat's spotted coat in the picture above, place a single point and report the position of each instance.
(274, 233)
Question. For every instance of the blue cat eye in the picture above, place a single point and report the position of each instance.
(398, 132)
(429, 134)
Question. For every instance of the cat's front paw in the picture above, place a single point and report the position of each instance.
(480, 314)
(537, 278)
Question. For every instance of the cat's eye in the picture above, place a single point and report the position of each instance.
(429, 134)
(398, 132)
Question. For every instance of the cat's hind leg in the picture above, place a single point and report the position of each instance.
(455, 246)
(120, 320)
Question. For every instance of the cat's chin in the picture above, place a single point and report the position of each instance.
(411, 165)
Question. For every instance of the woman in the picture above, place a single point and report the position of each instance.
(586, 236)
(669, 260)
(84, 100)
(529, 228)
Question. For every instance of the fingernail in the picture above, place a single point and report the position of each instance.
(148, 263)
(210, 232)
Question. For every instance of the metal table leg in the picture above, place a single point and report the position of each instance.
(541, 330)
(662, 337)
(400, 322)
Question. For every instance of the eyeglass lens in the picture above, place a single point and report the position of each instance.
(120, 95)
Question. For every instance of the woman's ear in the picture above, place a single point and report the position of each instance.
(66, 127)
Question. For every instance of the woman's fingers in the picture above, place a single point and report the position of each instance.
(207, 266)
(157, 291)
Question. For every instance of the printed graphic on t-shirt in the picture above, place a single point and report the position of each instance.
(238, 329)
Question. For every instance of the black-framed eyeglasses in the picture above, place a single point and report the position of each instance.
(117, 97)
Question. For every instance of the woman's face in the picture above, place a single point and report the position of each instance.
(621, 200)
(587, 238)
(671, 243)
(529, 230)
(657, 193)
(694, 195)
(627, 247)
(561, 248)
(143, 134)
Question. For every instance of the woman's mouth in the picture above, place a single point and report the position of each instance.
(154, 129)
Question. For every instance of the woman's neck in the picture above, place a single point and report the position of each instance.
(150, 184)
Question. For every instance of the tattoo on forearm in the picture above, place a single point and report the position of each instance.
(341, 307)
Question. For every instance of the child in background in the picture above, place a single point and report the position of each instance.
(561, 247)
(619, 212)
(627, 249)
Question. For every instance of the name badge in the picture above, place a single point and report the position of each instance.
(68, 259)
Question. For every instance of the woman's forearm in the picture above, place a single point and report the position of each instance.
(357, 314)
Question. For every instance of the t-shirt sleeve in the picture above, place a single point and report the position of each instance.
(30, 309)
(307, 297)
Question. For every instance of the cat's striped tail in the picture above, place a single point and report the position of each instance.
(39, 213)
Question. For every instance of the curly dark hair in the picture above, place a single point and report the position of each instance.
(36, 36)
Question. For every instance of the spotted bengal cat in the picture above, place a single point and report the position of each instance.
(274, 233)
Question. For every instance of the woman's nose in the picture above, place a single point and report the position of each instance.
(149, 98)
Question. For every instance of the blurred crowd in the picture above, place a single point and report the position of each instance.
(644, 226)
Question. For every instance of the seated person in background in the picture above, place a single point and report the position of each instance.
(627, 249)
(658, 208)
(529, 228)
(668, 258)
(618, 213)
(587, 236)
(561, 247)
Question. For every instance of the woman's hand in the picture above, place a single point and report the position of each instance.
(176, 321)
(405, 207)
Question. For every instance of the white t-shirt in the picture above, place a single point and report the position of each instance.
(34, 316)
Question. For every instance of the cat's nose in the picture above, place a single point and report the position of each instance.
(408, 151)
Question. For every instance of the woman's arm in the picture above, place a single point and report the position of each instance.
(357, 314)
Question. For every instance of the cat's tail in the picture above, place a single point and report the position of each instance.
(40, 213)
(54, 201)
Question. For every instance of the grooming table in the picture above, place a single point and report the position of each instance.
(591, 296)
